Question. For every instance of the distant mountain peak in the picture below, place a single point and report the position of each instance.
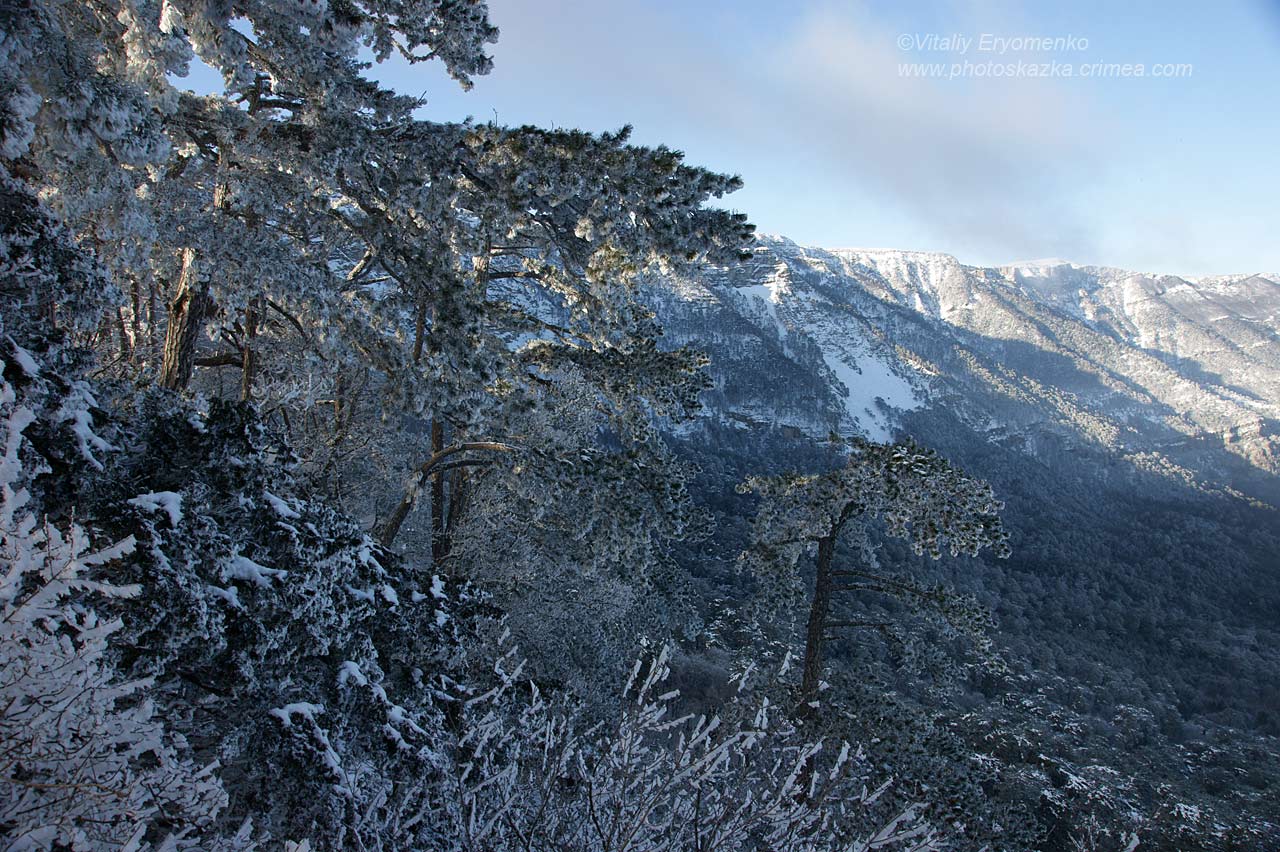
(1129, 362)
(1043, 262)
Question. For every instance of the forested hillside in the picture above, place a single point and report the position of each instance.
(354, 496)
(1135, 462)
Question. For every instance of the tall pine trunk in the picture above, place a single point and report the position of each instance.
(437, 496)
(249, 358)
(815, 633)
(187, 312)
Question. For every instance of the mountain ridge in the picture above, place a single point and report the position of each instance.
(1130, 433)
(1046, 262)
(1128, 362)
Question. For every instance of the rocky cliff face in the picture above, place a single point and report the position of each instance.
(1164, 372)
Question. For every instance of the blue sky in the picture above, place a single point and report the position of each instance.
(809, 103)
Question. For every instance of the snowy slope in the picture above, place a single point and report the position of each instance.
(864, 340)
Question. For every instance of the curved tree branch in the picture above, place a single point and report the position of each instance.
(391, 528)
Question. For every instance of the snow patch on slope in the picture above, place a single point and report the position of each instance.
(768, 295)
(869, 381)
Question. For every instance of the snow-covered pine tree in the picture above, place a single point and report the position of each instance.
(140, 678)
(185, 198)
(908, 492)
(194, 681)
(303, 240)
(302, 228)
(584, 535)
(917, 495)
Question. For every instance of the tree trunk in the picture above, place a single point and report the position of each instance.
(125, 348)
(135, 316)
(815, 633)
(187, 313)
(816, 637)
(152, 319)
(343, 404)
(458, 494)
(392, 527)
(437, 495)
(419, 328)
(340, 419)
(249, 361)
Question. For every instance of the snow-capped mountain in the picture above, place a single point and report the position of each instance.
(1178, 372)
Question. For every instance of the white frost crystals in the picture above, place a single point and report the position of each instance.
(650, 780)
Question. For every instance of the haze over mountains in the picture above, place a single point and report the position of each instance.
(1126, 364)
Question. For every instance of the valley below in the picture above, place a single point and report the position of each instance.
(1129, 423)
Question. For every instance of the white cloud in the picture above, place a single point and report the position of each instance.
(974, 163)
(979, 161)
(807, 103)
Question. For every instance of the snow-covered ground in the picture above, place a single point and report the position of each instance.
(870, 381)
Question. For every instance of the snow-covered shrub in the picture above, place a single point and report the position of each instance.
(530, 776)
(274, 627)
(85, 763)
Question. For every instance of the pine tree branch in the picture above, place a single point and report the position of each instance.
(392, 528)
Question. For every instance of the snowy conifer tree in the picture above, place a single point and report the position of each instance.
(917, 495)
